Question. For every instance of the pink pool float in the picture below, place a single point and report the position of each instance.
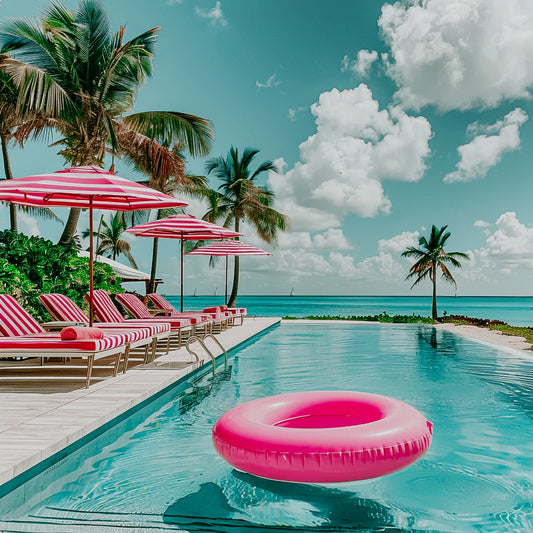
(322, 437)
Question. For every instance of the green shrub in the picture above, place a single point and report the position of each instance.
(382, 317)
(32, 265)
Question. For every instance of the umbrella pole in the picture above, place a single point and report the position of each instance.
(226, 295)
(181, 284)
(91, 265)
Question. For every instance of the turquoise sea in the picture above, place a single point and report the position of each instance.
(517, 311)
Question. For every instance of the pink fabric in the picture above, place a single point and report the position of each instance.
(14, 320)
(212, 310)
(79, 333)
(322, 437)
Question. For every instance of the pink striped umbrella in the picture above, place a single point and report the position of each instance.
(185, 228)
(225, 249)
(85, 187)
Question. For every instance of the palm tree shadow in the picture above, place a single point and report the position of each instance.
(209, 509)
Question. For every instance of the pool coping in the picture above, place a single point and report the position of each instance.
(26, 463)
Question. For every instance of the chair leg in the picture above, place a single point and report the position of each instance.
(126, 357)
(168, 343)
(90, 363)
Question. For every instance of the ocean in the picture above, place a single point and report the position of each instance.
(515, 310)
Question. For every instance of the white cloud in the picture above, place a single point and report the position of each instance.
(28, 224)
(486, 149)
(332, 239)
(215, 15)
(458, 54)
(510, 246)
(270, 82)
(361, 65)
(294, 111)
(481, 224)
(356, 146)
(174, 2)
(399, 243)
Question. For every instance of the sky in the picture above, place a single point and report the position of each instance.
(384, 118)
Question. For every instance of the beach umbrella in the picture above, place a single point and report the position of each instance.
(185, 228)
(225, 249)
(85, 187)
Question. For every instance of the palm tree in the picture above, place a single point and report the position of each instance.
(431, 257)
(111, 244)
(241, 199)
(69, 66)
(11, 121)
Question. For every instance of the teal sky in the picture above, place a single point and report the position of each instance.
(446, 74)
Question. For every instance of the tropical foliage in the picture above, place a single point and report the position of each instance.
(70, 67)
(240, 198)
(30, 266)
(431, 258)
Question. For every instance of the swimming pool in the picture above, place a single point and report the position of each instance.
(158, 470)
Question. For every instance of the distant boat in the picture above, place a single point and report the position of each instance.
(194, 294)
(216, 291)
(292, 292)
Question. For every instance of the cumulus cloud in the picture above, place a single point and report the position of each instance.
(459, 54)
(511, 244)
(399, 243)
(270, 82)
(486, 149)
(214, 16)
(356, 146)
(361, 64)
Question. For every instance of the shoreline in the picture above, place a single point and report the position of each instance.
(487, 335)
(484, 334)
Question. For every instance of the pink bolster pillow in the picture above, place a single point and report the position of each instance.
(212, 310)
(80, 333)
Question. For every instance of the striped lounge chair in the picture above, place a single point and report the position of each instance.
(221, 318)
(24, 336)
(201, 323)
(64, 309)
(236, 313)
(106, 311)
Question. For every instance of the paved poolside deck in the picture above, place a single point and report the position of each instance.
(42, 412)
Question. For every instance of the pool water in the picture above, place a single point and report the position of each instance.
(158, 469)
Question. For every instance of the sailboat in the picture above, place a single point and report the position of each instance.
(216, 291)
(292, 292)
(194, 294)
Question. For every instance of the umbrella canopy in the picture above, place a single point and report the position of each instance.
(85, 187)
(185, 228)
(225, 249)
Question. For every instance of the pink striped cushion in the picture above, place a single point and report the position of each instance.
(63, 308)
(160, 302)
(14, 320)
(104, 307)
(55, 344)
(134, 305)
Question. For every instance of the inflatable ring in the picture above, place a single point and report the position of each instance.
(322, 437)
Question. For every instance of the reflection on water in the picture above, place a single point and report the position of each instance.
(158, 470)
(209, 509)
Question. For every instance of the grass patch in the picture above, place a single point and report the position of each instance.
(382, 317)
(498, 325)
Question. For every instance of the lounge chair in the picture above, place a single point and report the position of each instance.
(202, 323)
(64, 309)
(236, 313)
(106, 311)
(24, 336)
(221, 317)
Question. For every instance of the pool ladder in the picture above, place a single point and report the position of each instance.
(201, 342)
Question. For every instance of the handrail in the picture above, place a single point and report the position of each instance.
(210, 335)
(194, 338)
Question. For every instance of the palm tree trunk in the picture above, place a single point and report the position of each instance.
(155, 248)
(235, 289)
(9, 176)
(434, 314)
(71, 226)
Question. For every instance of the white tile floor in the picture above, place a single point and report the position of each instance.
(41, 413)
